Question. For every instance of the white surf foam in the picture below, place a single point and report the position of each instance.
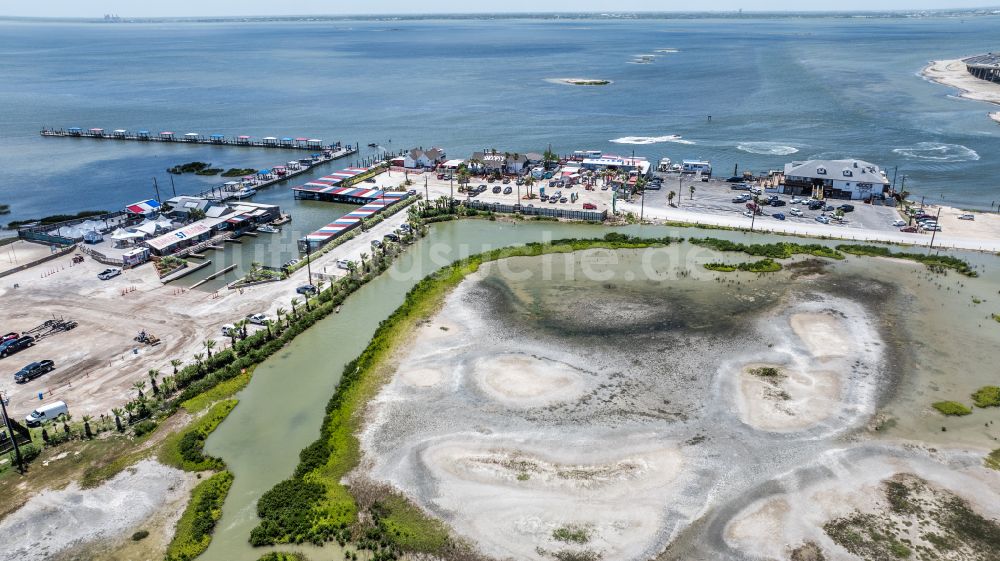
(767, 148)
(651, 139)
(667, 51)
(938, 152)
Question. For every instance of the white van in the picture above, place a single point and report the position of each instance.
(46, 413)
(343, 264)
(229, 330)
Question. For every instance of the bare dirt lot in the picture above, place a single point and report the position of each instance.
(97, 363)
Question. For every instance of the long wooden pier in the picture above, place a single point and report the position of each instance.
(299, 143)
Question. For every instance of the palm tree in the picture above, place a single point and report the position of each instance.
(691, 190)
(167, 385)
(241, 327)
(352, 268)
(364, 266)
(280, 312)
(670, 198)
(295, 312)
(86, 427)
(175, 363)
(130, 410)
(198, 357)
(152, 381)
(268, 323)
(139, 386)
(209, 344)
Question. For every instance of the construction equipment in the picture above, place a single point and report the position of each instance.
(147, 338)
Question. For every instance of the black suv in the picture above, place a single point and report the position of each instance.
(34, 370)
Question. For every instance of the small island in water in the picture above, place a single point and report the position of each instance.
(581, 81)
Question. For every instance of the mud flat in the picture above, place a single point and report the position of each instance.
(876, 503)
(827, 353)
(84, 521)
(575, 418)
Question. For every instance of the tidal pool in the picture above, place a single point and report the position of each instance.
(640, 404)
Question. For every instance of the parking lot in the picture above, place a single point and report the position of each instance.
(715, 197)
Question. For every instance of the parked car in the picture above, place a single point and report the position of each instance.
(34, 370)
(778, 216)
(823, 219)
(589, 206)
(966, 216)
(506, 180)
(815, 205)
(14, 345)
(229, 330)
(46, 413)
(391, 236)
(411, 192)
(776, 202)
(794, 211)
(9, 337)
(741, 199)
(344, 264)
(846, 208)
(562, 200)
(748, 214)
(307, 289)
(909, 229)
(508, 190)
(440, 176)
(797, 201)
(740, 187)
(376, 244)
(107, 274)
(899, 223)
(497, 189)
(258, 319)
(828, 208)
(932, 228)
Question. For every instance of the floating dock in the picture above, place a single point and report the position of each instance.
(378, 201)
(327, 188)
(298, 143)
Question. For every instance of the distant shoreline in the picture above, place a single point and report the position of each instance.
(577, 15)
(952, 73)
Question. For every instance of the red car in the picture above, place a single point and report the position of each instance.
(589, 206)
(9, 337)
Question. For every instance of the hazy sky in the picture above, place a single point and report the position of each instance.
(152, 8)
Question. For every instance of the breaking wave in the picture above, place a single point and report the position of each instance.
(938, 152)
(767, 148)
(676, 139)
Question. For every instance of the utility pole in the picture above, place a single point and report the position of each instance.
(427, 197)
(172, 188)
(13, 437)
(451, 191)
(934, 231)
(157, 188)
(642, 205)
(309, 269)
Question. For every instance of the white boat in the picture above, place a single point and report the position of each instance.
(245, 193)
(267, 229)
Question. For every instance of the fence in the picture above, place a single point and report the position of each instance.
(587, 215)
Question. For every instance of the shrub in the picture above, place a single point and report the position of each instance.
(931, 261)
(951, 408)
(140, 535)
(195, 527)
(142, 428)
(283, 556)
(993, 460)
(987, 396)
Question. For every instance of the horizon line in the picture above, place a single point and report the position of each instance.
(430, 14)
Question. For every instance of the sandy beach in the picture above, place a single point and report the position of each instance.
(952, 73)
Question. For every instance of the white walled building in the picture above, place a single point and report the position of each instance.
(835, 179)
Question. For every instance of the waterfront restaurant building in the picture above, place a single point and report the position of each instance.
(835, 179)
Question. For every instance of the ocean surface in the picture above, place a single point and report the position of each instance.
(777, 89)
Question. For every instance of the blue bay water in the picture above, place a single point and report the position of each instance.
(777, 89)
